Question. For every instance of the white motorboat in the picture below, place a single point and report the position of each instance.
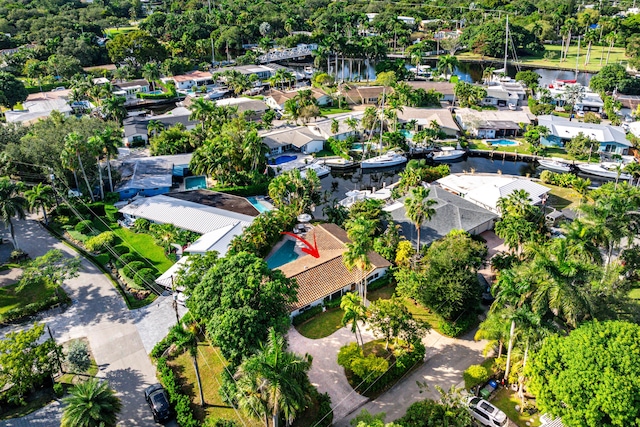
(605, 170)
(319, 169)
(216, 93)
(447, 153)
(389, 159)
(554, 164)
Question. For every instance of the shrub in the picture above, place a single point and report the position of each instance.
(406, 360)
(369, 368)
(132, 268)
(78, 356)
(111, 198)
(306, 315)
(334, 303)
(457, 328)
(475, 375)
(348, 353)
(325, 413)
(546, 176)
(219, 422)
(141, 225)
(380, 283)
(100, 242)
(97, 209)
(83, 226)
(58, 389)
(181, 402)
(126, 259)
(120, 250)
(144, 277)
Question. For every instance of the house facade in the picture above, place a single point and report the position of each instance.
(136, 129)
(424, 118)
(190, 80)
(491, 123)
(276, 99)
(130, 89)
(611, 139)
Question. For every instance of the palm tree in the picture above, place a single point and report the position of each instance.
(447, 63)
(254, 149)
(274, 381)
(113, 108)
(494, 330)
(154, 127)
(360, 231)
(634, 170)
(418, 207)
(590, 36)
(12, 204)
(109, 142)
(354, 312)
(91, 404)
(74, 143)
(610, 39)
(202, 110)
(352, 123)
(41, 196)
(187, 340)
(94, 144)
(151, 72)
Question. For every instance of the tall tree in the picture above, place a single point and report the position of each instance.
(151, 72)
(419, 209)
(187, 340)
(75, 144)
(12, 204)
(446, 64)
(113, 108)
(40, 196)
(91, 404)
(360, 231)
(276, 380)
(354, 312)
(12, 90)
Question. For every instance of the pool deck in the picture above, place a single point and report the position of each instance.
(300, 162)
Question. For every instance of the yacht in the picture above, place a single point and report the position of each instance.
(447, 153)
(555, 164)
(319, 169)
(216, 93)
(604, 169)
(389, 159)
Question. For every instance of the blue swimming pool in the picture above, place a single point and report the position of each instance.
(256, 204)
(195, 182)
(282, 159)
(503, 142)
(155, 92)
(407, 133)
(283, 256)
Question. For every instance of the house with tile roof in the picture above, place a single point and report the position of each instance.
(371, 95)
(276, 98)
(452, 212)
(612, 139)
(492, 123)
(425, 116)
(327, 276)
(189, 80)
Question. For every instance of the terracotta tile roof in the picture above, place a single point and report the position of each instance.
(321, 277)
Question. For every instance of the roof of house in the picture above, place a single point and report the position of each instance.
(52, 94)
(323, 127)
(244, 104)
(298, 137)
(426, 115)
(356, 94)
(475, 118)
(138, 125)
(451, 213)
(444, 88)
(486, 189)
(497, 92)
(132, 83)
(194, 75)
(320, 277)
(280, 96)
(214, 199)
(145, 173)
(566, 129)
(184, 214)
(37, 109)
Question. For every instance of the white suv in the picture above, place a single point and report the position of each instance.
(486, 414)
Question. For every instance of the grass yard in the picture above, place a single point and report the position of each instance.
(506, 400)
(42, 399)
(324, 153)
(322, 325)
(617, 55)
(144, 245)
(334, 110)
(36, 291)
(635, 294)
(211, 364)
(112, 32)
(480, 145)
(562, 197)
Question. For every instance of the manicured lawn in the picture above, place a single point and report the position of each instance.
(523, 148)
(322, 325)
(211, 365)
(562, 197)
(334, 110)
(36, 291)
(617, 55)
(324, 153)
(112, 32)
(635, 294)
(506, 400)
(144, 245)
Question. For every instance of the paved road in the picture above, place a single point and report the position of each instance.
(99, 313)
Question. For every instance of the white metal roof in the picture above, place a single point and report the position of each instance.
(184, 214)
(566, 129)
(217, 240)
(167, 278)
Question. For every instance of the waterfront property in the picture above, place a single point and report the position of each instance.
(445, 88)
(492, 124)
(150, 176)
(590, 102)
(190, 80)
(131, 89)
(136, 128)
(424, 118)
(357, 95)
(255, 106)
(486, 189)
(612, 139)
(276, 98)
(326, 276)
(452, 212)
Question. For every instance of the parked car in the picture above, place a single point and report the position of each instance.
(485, 413)
(158, 400)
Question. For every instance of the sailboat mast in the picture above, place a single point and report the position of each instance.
(577, 58)
(506, 45)
(381, 118)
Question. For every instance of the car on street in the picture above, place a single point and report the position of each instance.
(158, 400)
(485, 413)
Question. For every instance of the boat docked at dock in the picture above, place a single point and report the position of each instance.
(611, 170)
(319, 169)
(447, 154)
(555, 164)
(388, 159)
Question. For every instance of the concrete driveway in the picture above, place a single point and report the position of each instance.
(99, 313)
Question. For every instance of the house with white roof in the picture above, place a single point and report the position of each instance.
(190, 80)
(150, 176)
(612, 139)
(486, 190)
(136, 128)
(492, 123)
(130, 89)
(300, 138)
(38, 109)
(590, 102)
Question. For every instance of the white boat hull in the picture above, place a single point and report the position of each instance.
(554, 166)
(599, 170)
(321, 171)
(442, 156)
(383, 161)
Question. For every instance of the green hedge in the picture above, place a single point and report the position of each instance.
(333, 303)
(60, 297)
(245, 191)
(306, 315)
(126, 259)
(181, 402)
(457, 328)
(100, 242)
(381, 282)
(132, 268)
(120, 250)
(145, 277)
(83, 226)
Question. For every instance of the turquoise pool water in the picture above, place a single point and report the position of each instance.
(283, 256)
(357, 147)
(503, 142)
(256, 204)
(407, 133)
(195, 182)
(282, 159)
(155, 92)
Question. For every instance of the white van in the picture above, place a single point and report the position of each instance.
(486, 414)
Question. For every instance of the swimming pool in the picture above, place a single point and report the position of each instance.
(283, 256)
(256, 204)
(195, 182)
(503, 142)
(407, 133)
(282, 159)
(155, 92)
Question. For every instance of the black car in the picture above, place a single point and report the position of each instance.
(158, 400)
